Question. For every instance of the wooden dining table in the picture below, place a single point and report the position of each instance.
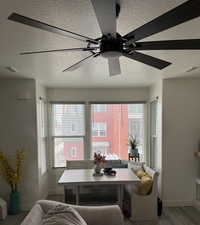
(79, 177)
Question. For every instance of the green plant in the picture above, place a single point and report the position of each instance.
(132, 141)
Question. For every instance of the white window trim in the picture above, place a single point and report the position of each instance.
(88, 128)
(53, 137)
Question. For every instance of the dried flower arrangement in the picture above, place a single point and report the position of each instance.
(12, 175)
(98, 158)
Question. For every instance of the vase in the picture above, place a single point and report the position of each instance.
(134, 152)
(97, 169)
(14, 205)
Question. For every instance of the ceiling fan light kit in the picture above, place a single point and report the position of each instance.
(112, 45)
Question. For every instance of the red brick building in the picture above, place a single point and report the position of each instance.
(109, 133)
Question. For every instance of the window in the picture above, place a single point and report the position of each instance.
(99, 129)
(100, 147)
(68, 132)
(74, 126)
(99, 108)
(111, 125)
(135, 108)
(110, 136)
(73, 152)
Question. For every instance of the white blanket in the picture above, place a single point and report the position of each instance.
(63, 215)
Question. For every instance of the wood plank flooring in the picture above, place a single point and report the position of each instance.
(170, 216)
(180, 216)
(177, 216)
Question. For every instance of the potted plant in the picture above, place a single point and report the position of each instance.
(132, 141)
(99, 161)
(12, 176)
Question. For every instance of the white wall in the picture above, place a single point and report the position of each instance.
(87, 95)
(181, 135)
(18, 128)
(156, 92)
(98, 94)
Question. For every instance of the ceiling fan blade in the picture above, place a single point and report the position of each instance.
(105, 11)
(184, 12)
(114, 66)
(60, 50)
(44, 26)
(78, 64)
(147, 59)
(169, 45)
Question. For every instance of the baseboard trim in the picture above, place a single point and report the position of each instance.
(169, 203)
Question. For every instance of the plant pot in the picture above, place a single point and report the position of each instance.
(134, 152)
(14, 205)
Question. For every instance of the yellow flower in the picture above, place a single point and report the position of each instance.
(12, 176)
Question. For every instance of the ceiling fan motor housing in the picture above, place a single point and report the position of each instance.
(111, 46)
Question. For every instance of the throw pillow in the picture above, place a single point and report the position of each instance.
(134, 166)
(63, 215)
(145, 185)
(140, 173)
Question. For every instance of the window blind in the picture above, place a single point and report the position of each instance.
(68, 120)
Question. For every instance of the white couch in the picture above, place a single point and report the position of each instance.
(144, 207)
(93, 215)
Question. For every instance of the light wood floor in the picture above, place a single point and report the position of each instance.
(170, 216)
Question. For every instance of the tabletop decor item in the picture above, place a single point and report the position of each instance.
(12, 176)
(132, 141)
(109, 171)
(99, 161)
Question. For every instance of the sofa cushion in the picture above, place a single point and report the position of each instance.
(35, 216)
(63, 215)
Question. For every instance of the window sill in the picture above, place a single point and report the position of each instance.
(54, 168)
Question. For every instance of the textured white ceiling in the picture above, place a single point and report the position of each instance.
(78, 16)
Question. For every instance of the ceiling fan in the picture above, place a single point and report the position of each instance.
(112, 45)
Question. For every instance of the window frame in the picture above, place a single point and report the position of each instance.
(145, 121)
(98, 130)
(87, 138)
(53, 137)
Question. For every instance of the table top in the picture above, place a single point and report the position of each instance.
(85, 176)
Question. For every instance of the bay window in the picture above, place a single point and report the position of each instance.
(107, 131)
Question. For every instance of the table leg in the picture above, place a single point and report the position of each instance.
(77, 194)
(65, 193)
(120, 195)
